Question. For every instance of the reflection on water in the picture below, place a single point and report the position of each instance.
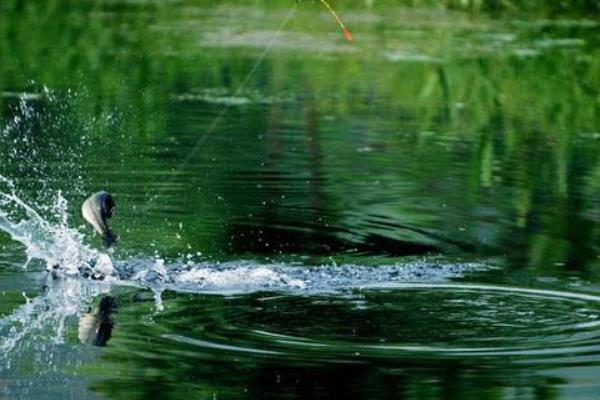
(393, 342)
(417, 211)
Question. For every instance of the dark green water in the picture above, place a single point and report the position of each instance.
(414, 215)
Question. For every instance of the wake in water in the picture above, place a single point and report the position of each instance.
(251, 276)
(78, 273)
(64, 252)
(34, 144)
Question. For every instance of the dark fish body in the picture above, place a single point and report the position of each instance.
(96, 210)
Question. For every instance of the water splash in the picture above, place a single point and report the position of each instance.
(251, 276)
(64, 252)
(55, 243)
(44, 142)
(41, 320)
(79, 273)
(35, 213)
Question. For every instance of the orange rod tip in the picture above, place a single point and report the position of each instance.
(347, 35)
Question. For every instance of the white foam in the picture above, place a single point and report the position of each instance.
(250, 276)
(241, 278)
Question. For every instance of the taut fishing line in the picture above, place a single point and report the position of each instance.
(239, 89)
(345, 30)
(250, 73)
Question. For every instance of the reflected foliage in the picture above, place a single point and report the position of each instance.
(449, 135)
(252, 129)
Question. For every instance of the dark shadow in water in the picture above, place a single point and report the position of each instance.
(266, 239)
(95, 327)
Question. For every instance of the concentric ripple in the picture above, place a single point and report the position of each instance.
(441, 319)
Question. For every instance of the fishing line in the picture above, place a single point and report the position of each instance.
(239, 89)
(250, 73)
(345, 30)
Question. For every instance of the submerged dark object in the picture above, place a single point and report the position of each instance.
(96, 210)
(95, 328)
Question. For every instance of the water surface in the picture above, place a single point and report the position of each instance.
(412, 215)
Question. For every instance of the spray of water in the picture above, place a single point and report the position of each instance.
(58, 245)
(78, 273)
(39, 220)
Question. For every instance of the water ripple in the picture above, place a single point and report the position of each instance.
(396, 320)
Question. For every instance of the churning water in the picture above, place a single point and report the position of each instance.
(65, 255)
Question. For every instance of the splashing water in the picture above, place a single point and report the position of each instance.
(251, 276)
(43, 229)
(45, 138)
(79, 273)
(65, 255)
(63, 250)
(58, 245)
